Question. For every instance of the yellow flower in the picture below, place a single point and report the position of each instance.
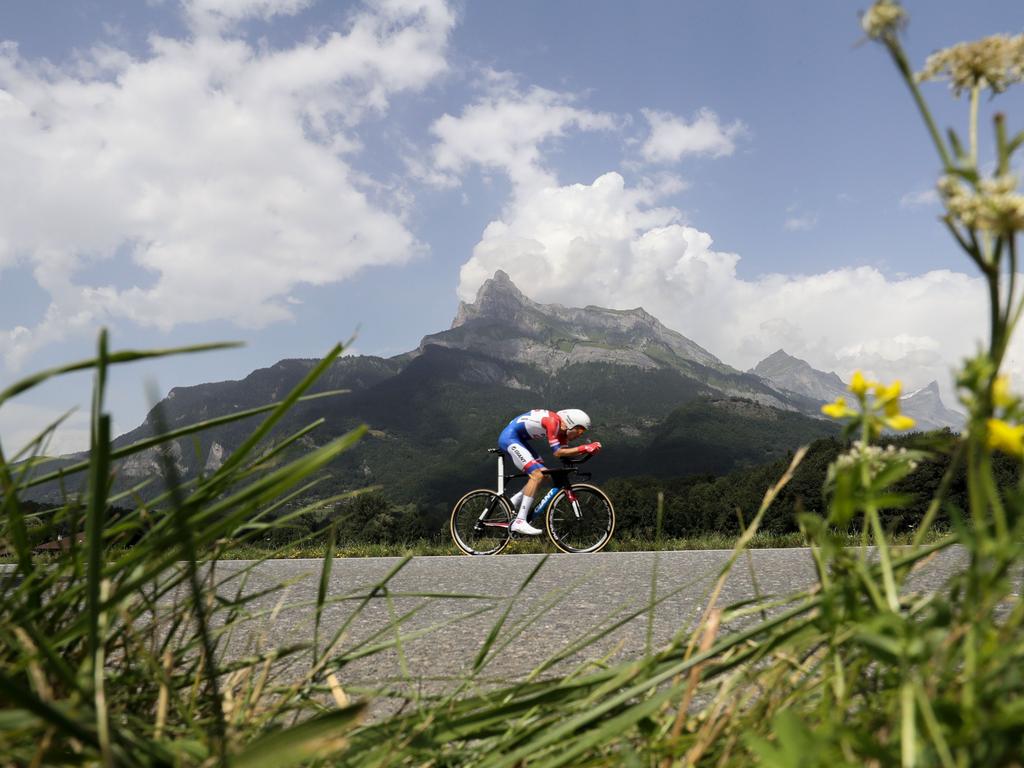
(1001, 395)
(899, 422)
(859, 385)
(889, 397)
(839, 409)
(1008, 438)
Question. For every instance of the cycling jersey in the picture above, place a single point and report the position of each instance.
(515, 438)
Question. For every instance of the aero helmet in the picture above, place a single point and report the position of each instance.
(574, 417)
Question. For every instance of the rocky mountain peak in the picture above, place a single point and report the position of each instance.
(931, 390)
(926, 407)
(791, 374)
(497, 298)
(779, 357)
(502, 322)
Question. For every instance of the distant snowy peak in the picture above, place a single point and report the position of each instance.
(790, 375)
(930, 390)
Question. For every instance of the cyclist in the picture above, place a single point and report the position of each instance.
(559, 428)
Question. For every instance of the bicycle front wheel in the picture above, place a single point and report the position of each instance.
(480, 522)
(580, 519)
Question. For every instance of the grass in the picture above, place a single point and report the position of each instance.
(521, 546)
(117, 651)
(316, 547)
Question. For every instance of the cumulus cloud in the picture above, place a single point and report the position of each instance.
(611, 244)
(507, 129)
(618, 245)
(673, 137)
(220, 167)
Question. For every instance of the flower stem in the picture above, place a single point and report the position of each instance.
(900, 58)
(973, 125)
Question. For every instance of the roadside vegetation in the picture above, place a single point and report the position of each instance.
(115, 650)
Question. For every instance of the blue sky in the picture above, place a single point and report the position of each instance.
(285, 172)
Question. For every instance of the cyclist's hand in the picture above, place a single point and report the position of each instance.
(590, 448)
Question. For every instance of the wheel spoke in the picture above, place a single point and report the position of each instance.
(584, 524)
(480, 523)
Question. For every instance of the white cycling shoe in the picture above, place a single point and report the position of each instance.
(521, 526)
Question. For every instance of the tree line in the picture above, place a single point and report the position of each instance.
(693, 504)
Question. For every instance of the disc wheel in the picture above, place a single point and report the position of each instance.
(583, 525)
(480, 523)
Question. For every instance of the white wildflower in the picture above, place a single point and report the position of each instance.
(882, 20)
(994, 62)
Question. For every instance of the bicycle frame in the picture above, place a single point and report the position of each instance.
(568, 481)
(558, 486)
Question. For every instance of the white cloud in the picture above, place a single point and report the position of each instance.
(220, 166)
(506, 130)
(208, 13)
(919, 199)
(21, 423)
(672, 137)
(800, 222)
(612, 245)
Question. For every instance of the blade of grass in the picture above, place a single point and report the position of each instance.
(240, 453)
(16, 693)
(159, 439)
(97, 507)
(187, 550)
(314, 739)
(325, 580)
(481, 656)
(113, 358)
(649, 640)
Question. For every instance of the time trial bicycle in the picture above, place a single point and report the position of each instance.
(578, 517)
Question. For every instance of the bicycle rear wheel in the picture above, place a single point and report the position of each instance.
(480, 522)
(580, 519)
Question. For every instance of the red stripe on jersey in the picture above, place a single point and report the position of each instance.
(552, 424)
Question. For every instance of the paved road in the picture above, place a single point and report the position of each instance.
(570, 595)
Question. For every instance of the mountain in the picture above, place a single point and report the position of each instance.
(552, 336)
(504, 324)
(793, 375)
(661, 404)
(796, 378)
(925, 406)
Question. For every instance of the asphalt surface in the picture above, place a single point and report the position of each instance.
(568, 597)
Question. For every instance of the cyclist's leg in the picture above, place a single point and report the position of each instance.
(525, 461)
(505, 439)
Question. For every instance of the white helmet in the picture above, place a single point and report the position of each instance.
(574, 417)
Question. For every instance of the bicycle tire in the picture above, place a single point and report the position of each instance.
(478, 527)
(588, 532)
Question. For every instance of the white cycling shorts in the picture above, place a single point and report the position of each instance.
(521, 456)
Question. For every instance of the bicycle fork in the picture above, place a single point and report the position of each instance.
(573, 502)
